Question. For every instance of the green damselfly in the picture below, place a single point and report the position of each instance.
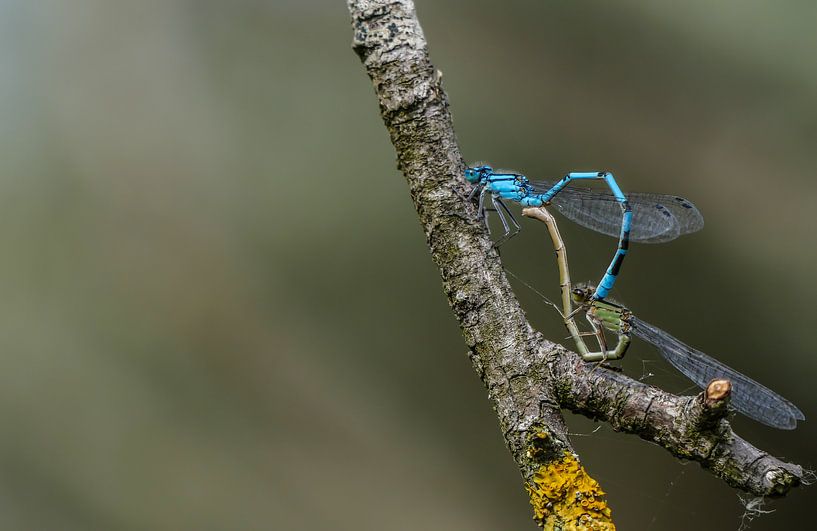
(748, 396)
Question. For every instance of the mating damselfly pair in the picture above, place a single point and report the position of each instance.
(648, 218)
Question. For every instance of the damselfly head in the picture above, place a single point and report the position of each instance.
(582, 292)
(477, 172)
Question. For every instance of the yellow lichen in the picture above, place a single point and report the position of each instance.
(564, 496)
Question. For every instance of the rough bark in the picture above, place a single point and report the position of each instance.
(528, 378)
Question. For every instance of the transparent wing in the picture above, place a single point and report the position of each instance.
(651, 223)
(749, 397)
(657, 218)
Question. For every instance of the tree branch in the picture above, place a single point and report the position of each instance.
(528, 378)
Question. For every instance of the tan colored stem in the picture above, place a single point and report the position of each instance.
(545, 217)
(603, 354)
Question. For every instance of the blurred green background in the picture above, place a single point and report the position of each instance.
(218, 310)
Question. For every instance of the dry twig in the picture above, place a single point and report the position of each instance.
(528, 378)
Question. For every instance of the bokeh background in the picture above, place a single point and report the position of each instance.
(218, 310)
